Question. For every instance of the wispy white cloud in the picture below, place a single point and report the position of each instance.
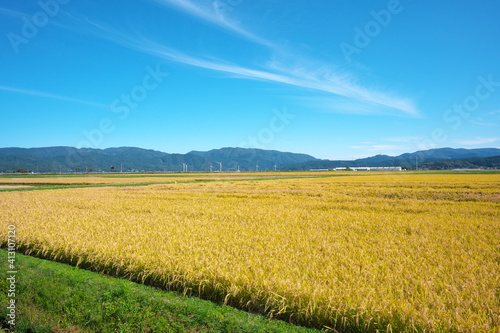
(360, 104)
(51, 96)
(10, 12)
(406, 139)
(211, 12)
(385, 149)
(337, 90)
(488, 119)
(477, 141)
(316, 75)
(289, 69)
(359, 99)
(481, 122)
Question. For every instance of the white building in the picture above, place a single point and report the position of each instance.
(371, 169)
(377, 168)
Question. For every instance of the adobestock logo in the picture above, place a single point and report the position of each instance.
(363, 37)
(226, 5)
(31, 25)
(484, 89)
(123, 106)
(139, 93)
(455, 115)
(278, 123)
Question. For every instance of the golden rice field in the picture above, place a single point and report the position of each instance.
(361, 253)
(119, 178)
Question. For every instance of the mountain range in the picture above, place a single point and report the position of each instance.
(129, 159)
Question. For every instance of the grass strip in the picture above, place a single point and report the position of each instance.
(54, 297)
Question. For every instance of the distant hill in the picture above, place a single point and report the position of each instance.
(128, 159)
(407, 160)
(410, 160)
(69, 159)
(468, 163)
(252, 159)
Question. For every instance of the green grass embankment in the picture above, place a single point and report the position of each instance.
(53, 297)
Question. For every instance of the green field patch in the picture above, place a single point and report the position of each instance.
(54, 297)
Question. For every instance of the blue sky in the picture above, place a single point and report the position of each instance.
(335, 79)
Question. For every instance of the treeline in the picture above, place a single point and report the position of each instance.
(469, 163)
